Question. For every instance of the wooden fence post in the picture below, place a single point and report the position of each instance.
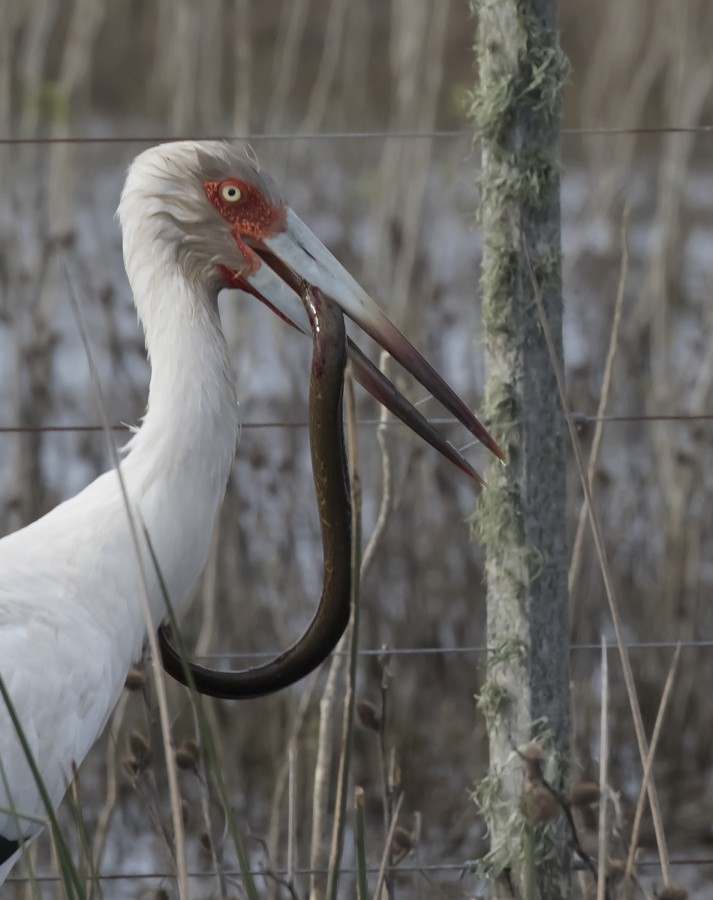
(521, 519)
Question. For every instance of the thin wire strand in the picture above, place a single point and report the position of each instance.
(476, 649)
(580, 419)
(467, 867)
(586, 131)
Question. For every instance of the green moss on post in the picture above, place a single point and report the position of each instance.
(521, 518)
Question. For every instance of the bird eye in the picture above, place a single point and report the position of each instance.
(231, 193)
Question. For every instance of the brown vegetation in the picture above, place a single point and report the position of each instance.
(401, 215)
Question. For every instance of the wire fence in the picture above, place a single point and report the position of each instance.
(467, 867)
(584, 131)
(580, 419)
(477, 650)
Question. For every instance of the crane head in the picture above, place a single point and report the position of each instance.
(232, 228)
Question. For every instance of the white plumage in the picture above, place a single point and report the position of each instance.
(71, 618)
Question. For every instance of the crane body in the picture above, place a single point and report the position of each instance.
(71, 596)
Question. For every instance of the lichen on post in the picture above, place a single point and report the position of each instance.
(521, 517)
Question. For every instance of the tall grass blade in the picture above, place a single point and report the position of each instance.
(206, 734)
(69, 874)
(360, 845)
(340, 813)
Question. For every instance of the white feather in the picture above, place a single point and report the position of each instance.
(71, 618)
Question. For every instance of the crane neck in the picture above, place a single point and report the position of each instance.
(192, 405)
(179, 461)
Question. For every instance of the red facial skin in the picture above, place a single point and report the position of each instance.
(249, 216)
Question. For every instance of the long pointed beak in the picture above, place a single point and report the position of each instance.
(296, 255)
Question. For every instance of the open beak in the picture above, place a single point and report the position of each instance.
(296, 255)
(301, 281)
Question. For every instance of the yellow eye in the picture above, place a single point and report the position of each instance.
(231, 193)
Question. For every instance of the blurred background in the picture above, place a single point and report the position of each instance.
(359, 111)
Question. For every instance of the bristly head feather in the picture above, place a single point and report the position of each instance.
(164, 203)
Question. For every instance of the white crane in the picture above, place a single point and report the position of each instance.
(196, 217)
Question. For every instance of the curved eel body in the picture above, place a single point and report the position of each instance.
(331, 481)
